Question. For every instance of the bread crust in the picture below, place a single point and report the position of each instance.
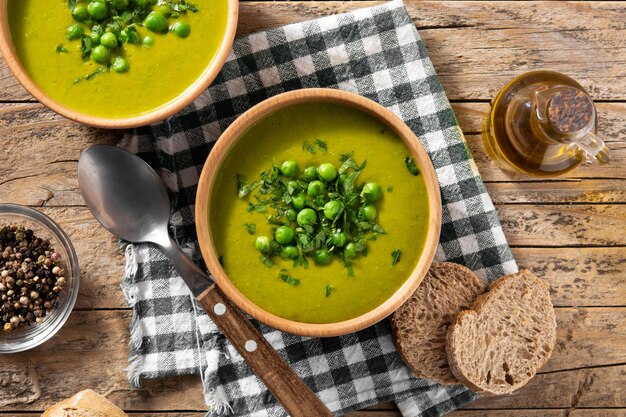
(86, 403)
(420, 325)
(500, 288)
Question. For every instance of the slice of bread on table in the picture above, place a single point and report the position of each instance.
(508, 334)
(421, 324)
(86, 403)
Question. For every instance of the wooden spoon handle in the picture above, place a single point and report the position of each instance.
(280, 379)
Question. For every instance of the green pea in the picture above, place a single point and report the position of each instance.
(182, 30)
(315, 188)
(148, 41)
(98, 10)
(291, 215)
(284, 235)
(340, 239)
(350, 251)
(119, 4)
(309, 173)
(120, 64)
(327, 172)
(164, 9)
(322, 257)
(372, 191)
(75, 31)
(332, 209)
(80, 12)
(100, 54)
(307, 217)
(155, 22)
(289, 252)
(95, 39)
(109, 40)
(289, 168)
(368, 212)
(262, 244)
(299, 201)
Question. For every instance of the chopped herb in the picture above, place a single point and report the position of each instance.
(288, 278)
(71, 4)
(243, 188)
(60, 48)
(251, 227)
(395, 257)
(345, 156)
(390, 189)
(410, 165)
(321, 145)
(88, 77)
(378, 229)
(308, 147)
(329, 289)
(267, 261)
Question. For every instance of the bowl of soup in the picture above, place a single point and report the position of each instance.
(318, 212)
(119, 63)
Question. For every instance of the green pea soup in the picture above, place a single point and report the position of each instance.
(403, 213)
(157, 74)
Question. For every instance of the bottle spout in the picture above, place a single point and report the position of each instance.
(594, 148)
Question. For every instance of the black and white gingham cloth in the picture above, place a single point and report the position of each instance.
(377, 53)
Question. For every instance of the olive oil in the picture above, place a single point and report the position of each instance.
(543, 123)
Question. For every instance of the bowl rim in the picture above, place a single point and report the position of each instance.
(235, 132)
(162, 112)
(72, 261)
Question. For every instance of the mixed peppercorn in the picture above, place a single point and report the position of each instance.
(31, 279)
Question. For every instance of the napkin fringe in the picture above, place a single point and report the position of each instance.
(130, 292)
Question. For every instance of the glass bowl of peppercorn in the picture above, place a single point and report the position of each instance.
(39, 278)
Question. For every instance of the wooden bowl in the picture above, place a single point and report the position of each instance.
(230, 137)
(156, 115)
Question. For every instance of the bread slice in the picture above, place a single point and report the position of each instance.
(86, 403)
(421, 324)
(509, 333)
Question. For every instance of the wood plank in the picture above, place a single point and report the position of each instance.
(571, 389)
(476, 47)
(32, 126)
(564, 225)
(100, 338)
(577, 276)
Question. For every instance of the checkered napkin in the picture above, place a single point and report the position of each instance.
(377, 53)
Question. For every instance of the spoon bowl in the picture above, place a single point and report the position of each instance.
(124, 193)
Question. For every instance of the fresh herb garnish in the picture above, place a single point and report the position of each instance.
(321, 145)
(251, 227)
(329, 289)
(390, 189)
(395, 257)
(61, 49)
(334, 219)
(288, 278)
(118, 22)
(99, 70)
(410, 165)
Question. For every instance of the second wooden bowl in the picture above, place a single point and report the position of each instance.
(212, 167)
(160, 113)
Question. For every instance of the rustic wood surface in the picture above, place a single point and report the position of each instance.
(571, 231)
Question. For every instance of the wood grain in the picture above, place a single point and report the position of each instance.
(51, 372)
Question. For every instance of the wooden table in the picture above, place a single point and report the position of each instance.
(570, 231)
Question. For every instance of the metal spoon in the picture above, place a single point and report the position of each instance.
(128, 198)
